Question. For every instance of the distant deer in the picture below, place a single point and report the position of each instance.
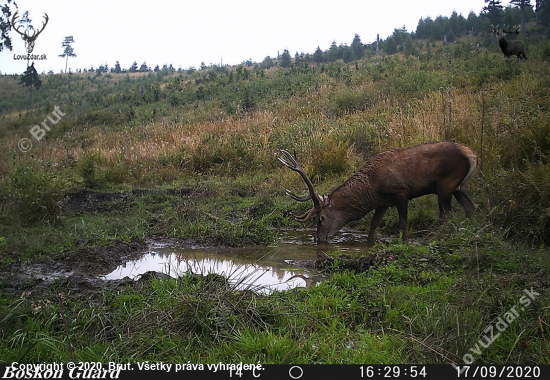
(515, 47)
(391, 178)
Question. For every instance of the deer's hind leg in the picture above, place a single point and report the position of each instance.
(463, 198)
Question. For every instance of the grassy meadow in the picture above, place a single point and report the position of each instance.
(192, 155)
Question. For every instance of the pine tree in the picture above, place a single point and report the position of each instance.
(5, 25)
(390, 46)
(494, 11)
(522, 4)
(332, 54)
(357, 47)
(117, 68)
(347, 54)
(318, 55)
(68, 50)
(285, 59)
(30, 79)
(543, 12)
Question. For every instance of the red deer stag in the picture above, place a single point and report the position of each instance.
(391, 178)
(509, 48)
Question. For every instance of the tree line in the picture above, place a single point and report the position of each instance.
(442, 28)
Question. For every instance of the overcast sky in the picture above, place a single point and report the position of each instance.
(185, 33)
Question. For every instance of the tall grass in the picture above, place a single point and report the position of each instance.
(232, 122)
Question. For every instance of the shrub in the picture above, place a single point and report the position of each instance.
(86, 168)
(215, 154)
(330, 157)
(34, 192)
(521, 203)
(347, 100)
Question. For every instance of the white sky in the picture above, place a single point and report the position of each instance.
(187, 32)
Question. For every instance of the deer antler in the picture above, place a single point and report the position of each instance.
(516, 30)
(295, 166)
(29, 40)
(24, 35)
(43, 26)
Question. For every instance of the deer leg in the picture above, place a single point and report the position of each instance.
(464, 199)
(444, 202)
(378, 215)
(402, 211)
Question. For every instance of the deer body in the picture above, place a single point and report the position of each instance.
(391, 178)
(515, 47)
(509, 48)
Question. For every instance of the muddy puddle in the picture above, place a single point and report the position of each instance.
(265, 269)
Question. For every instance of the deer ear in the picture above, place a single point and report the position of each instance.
(325, 200)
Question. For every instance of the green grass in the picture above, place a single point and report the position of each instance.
(195, 158)
(428, 304)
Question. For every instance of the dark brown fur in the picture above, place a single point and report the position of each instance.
(391, 178)
(509, 48)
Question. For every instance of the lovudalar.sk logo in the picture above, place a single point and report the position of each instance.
(29, 39)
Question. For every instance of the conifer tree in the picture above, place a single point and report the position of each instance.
(68, 50)
(522, 4)
(285, 59)
(5, 25)
(318, 55)
(357, 47)
(30, 79)
(117, 68)
(494, 11)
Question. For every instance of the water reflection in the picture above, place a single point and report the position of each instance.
(257, 268)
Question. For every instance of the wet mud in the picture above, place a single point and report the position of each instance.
(81, 273)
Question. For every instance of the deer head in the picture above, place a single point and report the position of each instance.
(500, 33)
(29, 39)
(330, 219)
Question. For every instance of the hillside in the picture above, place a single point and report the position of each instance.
(140, 129)
(192, 155)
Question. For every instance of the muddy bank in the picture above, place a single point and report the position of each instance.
(86, 201)
(77, 274)
(74, 274)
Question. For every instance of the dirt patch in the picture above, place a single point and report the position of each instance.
(90, 201)
(86, 201)
(75, 273)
